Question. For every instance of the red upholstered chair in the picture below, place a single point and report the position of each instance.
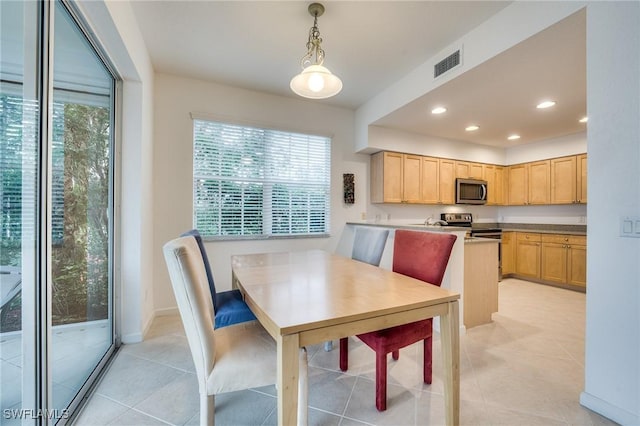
(424, 256)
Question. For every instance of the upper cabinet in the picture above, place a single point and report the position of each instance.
(495, 177)
(468, 170)
(569, 179)
(396, 178)
(529, 183)
(408, 178)
(581, 176)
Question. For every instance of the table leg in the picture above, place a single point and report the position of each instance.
(288, 365)
(450, 340)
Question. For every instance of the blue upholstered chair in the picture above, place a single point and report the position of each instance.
(229, 307)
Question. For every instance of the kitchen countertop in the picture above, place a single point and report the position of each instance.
(405, 225)
(506, 227)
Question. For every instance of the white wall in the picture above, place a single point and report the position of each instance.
(115, 27)
(175, 99)
(612, 373)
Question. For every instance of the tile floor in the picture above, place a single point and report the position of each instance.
(525, 368)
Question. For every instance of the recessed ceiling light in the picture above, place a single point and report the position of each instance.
(513, 137)
(438, 110)
(545, 104)
(472, 128)
(584, 119)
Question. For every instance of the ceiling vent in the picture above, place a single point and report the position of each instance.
(447, 64)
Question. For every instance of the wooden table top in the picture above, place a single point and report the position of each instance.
(299, 291)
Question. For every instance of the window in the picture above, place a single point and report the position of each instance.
(259, 183)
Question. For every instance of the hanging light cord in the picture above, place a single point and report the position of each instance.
(313, 45)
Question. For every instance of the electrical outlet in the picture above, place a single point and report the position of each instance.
(630, 226)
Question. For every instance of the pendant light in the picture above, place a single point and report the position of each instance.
(315, 81)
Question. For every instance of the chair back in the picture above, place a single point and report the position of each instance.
(368, 244)
(190, 286)
(212, 286)
(422, 255)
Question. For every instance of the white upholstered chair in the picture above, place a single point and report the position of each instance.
(226, 359)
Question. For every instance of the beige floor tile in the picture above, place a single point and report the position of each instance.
(524, 368)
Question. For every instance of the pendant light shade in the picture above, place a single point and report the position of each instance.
(315, 81)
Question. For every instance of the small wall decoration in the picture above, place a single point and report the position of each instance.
(349, 188)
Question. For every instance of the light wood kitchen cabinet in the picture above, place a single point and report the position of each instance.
(539, 182)
(395, 178)
(518, 184)
(411, 178)
(581, 181)
(569, 180)
(563, 180)
(528, 254)
(494, 175)
(469, 170)
(564, 259)
(529, 183)
(447, 181)
(437, 181)
(508, 253)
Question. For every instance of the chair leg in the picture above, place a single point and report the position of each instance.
(395, 354)
(207, 410)
(344, 353)
(428, 357)
(381, 381)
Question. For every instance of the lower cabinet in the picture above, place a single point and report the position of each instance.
(564, 259)
(528, 254)
(549, 258)
(508, 254)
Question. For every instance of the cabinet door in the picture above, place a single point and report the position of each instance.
(508, 253)
(528, 255)
(447, 181)
(518, 184)
(554, 262)
(500, 186)
(430, 178)
(581, 180)
(489, 174)
(392, 171)
(475, 170)
(577, 265)
(563, 180)
(539, 182)
(463, 170)
(412, 178)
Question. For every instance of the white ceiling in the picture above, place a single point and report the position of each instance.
(372, 44)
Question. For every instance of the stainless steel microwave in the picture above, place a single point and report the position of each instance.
(471, 191)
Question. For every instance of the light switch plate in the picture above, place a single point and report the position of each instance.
(630, 226)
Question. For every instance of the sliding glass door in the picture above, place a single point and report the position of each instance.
(56, 153)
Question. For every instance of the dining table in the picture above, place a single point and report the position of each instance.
(307, 297)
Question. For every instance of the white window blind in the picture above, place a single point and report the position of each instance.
(250, 182)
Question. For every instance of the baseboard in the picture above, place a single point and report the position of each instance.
(617, 414)
(166, 312)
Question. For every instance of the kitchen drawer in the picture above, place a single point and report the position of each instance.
(564, 239)
(528, 236)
